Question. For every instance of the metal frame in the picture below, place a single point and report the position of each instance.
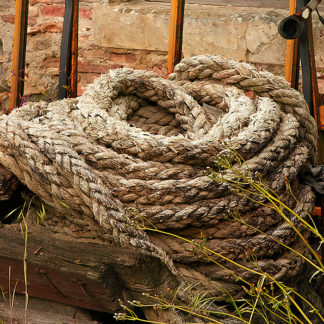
(19, 53)
(69, 61)
(69, 48)
(176, 33)
(305, 47)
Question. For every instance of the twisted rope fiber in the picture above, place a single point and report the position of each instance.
(134, 139)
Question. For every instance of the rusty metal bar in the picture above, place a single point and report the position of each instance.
(176, 32)
(65, 55)
(19, 53)
(315, 93)
(74, 51)
(292, 64)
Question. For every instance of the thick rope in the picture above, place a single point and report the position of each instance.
(136, 140)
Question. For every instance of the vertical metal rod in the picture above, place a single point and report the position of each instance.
(74, 51)
(19, 53)
(65, 56)
(176, 33)
(315, 93)
(292, 60)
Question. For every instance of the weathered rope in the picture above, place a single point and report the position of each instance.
(134, 139)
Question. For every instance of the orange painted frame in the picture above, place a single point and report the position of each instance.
(176, 32)
(74, 51)
(292, 53)
(19, 50)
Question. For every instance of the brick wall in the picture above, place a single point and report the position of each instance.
(135, 34)
(43, 46)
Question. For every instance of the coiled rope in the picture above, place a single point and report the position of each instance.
(136, 140)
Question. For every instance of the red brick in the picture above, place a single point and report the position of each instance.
(53, 62)
(32, 2)
(96, 68)
(53, 11)
(129, 59)
(51, 28)
(85, 78)
(8, 18)
(85, 13)
(11, 19)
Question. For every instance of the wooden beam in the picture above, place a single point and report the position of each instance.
(176, 32)
(74, 51)
(41, 311)
(83, 274)
(19, 53)
(292, 64)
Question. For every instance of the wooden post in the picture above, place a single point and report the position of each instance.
(19, 53)
(87, 275)
(292, 64)
(74, 51)
(176, 31)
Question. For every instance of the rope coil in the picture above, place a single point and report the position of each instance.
(136, 140)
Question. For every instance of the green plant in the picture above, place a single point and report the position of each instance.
(11, 297)
(22, 220)
(267, 298)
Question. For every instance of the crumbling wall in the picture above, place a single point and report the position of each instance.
(135, 34)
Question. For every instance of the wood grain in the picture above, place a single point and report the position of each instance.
(87, 275)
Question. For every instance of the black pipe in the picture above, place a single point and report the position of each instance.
(65, 58)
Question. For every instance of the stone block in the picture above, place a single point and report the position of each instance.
(93, 53)
(239, 34)
(211, 35)
(129, 29)
(33, 11)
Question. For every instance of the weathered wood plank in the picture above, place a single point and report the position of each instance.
(87, 275)
(41, 312)
(8, 183)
